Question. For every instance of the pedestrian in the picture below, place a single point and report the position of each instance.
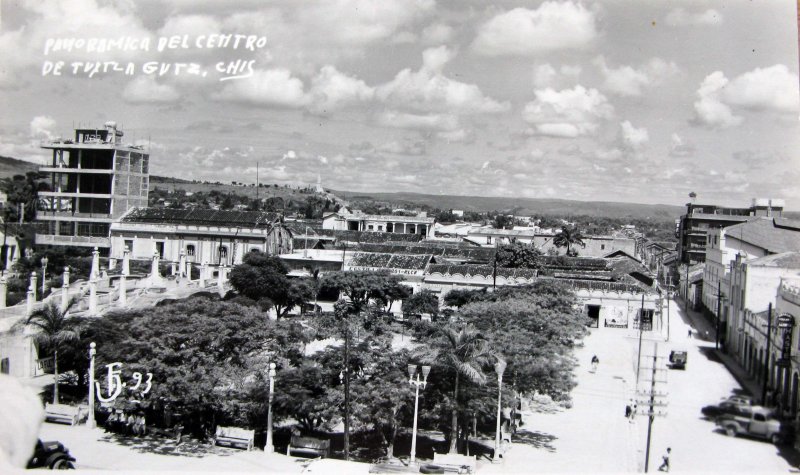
(690, 333)
(665, 464)
(628, 410)
(595, 362)
(633, 413)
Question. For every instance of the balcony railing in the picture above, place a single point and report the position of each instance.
(53, 239)
(44, 214)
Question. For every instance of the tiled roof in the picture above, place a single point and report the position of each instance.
(202, 217)
(764, 233)
(789, 260)
(389, 261)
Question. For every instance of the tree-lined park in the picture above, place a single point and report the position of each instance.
(210, 356)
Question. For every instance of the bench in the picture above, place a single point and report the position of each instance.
(455, 462)
(234, 437)
(64, 413)
(309, 446)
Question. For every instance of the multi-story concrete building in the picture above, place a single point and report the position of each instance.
(94, 179)
(699, 219)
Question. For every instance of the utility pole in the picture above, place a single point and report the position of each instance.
(719, 314)
(641, 327)
(686, 297)
(669, 285)
(652, 400)
(766, 366)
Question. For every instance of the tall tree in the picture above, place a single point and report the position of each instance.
(464, 351)
(519, 255)
(55, 331)
(360, 286)
(261, 276)
(424, 301)
(568, 237)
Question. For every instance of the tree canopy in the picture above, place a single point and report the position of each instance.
(568, 237)
(519, 255)
(261, 277)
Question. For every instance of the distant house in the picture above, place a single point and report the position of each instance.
(343, 220)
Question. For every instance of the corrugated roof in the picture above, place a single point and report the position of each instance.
(783, 236)
(202, 217)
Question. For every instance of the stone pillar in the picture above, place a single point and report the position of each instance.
(182, 264)
(112, 264)
(3, 291)
(31, 299)
(93, 296)
(173, 268)
(123, 291)
(33, 284)
(221, 278)
(203, 274)
(65, 290)
(95, 264)
(154, 269)
(126, 261)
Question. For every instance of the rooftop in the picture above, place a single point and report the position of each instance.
(202, 217)
(775, 235)
(789, 260)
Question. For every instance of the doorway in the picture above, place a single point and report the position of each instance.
(593, 312)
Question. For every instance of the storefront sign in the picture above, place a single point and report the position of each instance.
(785, 321)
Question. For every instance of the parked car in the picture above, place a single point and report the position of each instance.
(755, 421)
(724, 407)
(742, 400)
(677, 359)
(52, 455)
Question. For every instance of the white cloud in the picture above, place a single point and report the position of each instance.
(331, 89)
(437, 33)
(567, 113)
(680, 17)
(523, 32)
(271, 87)
(146, 90)
(460, 135)
(429, 90)
(192, 25)
(546, 75)
(358, 22)
(679, 147)
(42, 126)
(406, 147)
(629, 81)
(709, 108)
(633, 138)
(773, 88)
(440, 122)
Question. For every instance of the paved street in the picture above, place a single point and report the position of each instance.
(592, 436)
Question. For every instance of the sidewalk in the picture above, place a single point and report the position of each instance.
(706, 330)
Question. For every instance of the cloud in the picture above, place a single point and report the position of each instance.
(358, 22)
(192, 25)
(41, 127)
(567, 113)
(405, 147)
(772, 88)
(522, 32)
(632, 138)
(680, 17)
(437, 33)
(271, 87)
(679, 147)
(709, 108)
(331, 90)
(429, 90)
(146, 90)
(460, 135)
(629, 81)
(402, 120)
(546, 75)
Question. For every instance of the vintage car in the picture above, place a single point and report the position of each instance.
(755, 421)
(52, 455)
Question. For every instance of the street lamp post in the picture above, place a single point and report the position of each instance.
(44, 273)
(499, 368)
(268, 448)
(90, 422)
(417, 383)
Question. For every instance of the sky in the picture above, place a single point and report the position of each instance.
(612, 100)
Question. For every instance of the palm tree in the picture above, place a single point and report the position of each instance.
(568, 238)
(466, 351)
(54, 331)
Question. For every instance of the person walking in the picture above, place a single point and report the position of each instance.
(690, 333)
(665, 464)
(633, 413)
(595, 362)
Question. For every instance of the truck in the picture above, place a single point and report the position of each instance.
(755, 421)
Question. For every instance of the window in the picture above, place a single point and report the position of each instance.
(5, 366)
(380, 227)
(369, 227)
(129, 245)
(759, 417)
(160, 249)
(190, 250)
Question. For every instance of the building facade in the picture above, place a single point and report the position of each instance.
(344, 220)
(210, 236)
(94, 179)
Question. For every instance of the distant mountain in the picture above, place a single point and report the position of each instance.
(167, 179)
(523, 206)
(12, 166)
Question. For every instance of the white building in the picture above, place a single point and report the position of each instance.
(343, 220)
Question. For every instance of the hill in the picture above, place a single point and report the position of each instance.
(523, 206)
(12, 166)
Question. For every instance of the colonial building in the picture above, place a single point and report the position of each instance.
(213, 237)
(94, 179)
(344, 220)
